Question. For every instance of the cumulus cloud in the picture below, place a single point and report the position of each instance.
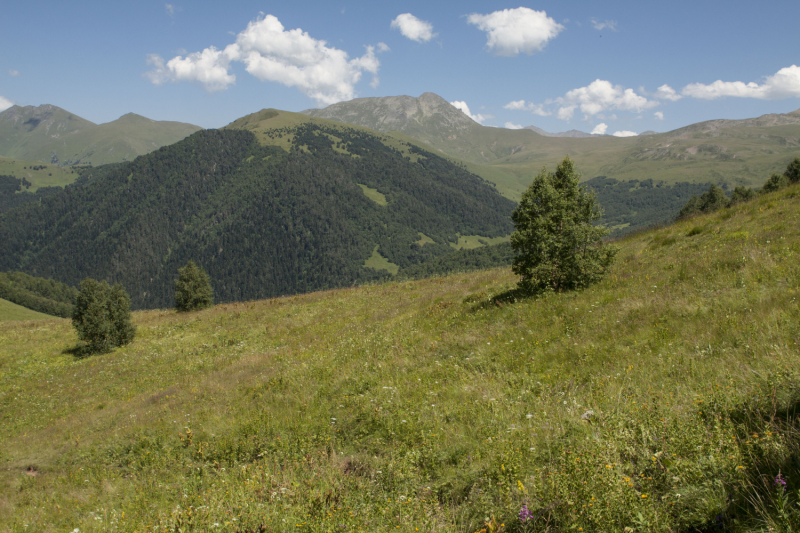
(12, 72)
(783, 84)
(465, 109)
(536, 109)
(5, 103)
(566, 112)
(512, 126)
(414, 28)
(601, 25)
(383, 47)
(600, 96)
(665, 92)
(514, 31)
(600, 129)
(271, 53)
(625, 133)
(208, 68)
(659, 115)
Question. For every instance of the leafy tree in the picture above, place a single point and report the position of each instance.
(711, 200)
(192, 288)
(793, 171)
(742, 194)
(557, 247)
(102, 316)
(775, 182)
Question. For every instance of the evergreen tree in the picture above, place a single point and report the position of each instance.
(102, 316)
(192, 288)
(557, 247)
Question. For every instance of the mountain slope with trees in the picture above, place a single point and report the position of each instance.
(262, 220)
(736, 152)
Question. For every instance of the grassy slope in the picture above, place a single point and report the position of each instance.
(31, 128)
(51, 175)
(670, 157)
(12, 312)
(120, 140)
(424, 405)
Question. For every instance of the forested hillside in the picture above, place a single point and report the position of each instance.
(263, 221)
(42, 295)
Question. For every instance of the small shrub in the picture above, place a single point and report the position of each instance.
(193, 288)
(102, 316)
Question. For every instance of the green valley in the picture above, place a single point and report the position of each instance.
(662, 399)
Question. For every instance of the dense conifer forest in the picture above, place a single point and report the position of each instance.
(262, 221)
(43, 295)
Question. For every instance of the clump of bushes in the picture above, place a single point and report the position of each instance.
(102, 316)
(715, 198)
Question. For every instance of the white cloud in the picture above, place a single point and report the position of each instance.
(208, 68)
(566, 112)
(783, 84)
(5, 103)
(383, 47)
(600, 96)
(659, 115)
(516, 104)
(514, 31)
(465, 109)
(512, 126)
(414, 28)
(270, 53)
(536, 109)
(610, 24)
(625, 133)
(665, 92)
(12, 72)
(600, 129)
(170, 9)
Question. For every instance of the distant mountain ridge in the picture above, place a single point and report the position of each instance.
(428, 117)
(738, 152)
(575, 134)
(53, 135)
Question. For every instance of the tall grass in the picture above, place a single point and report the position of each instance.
(662, 399)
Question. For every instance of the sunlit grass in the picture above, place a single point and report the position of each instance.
(659, 400)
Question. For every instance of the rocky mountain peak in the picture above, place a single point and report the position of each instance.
(427, 116)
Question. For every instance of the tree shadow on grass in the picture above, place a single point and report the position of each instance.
(79, 351)
(508, 297)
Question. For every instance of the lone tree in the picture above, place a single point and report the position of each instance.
(557, 247)
(102, 316)
(192, 288)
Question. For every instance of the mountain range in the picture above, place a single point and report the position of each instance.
(737, 152)
(50, 134)
(275, 203)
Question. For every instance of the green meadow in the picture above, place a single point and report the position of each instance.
(10, 311)
(662, 399)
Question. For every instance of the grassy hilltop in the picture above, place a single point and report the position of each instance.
(433, 405)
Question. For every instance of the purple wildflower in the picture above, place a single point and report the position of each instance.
(525, 514)
(780, 482)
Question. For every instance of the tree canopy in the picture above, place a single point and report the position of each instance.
(193, 288)
(102, 316)
(557, 245)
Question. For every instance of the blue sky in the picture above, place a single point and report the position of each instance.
(587, 65)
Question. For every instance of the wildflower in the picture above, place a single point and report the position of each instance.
(525, 514)
(780, 482)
